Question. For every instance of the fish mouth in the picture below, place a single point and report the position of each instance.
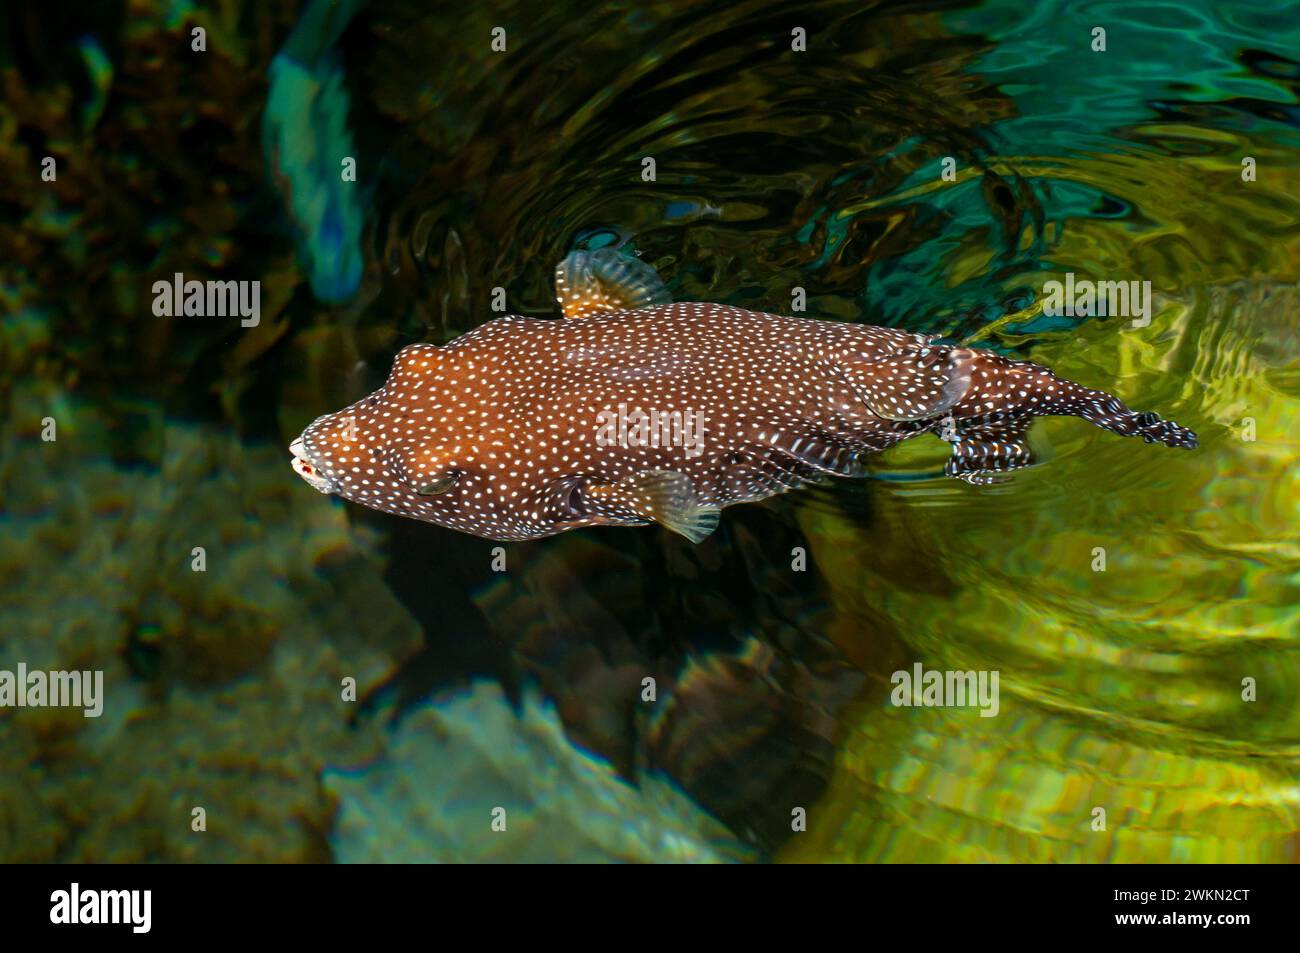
(307, 469)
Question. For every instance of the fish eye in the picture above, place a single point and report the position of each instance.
(440, 485)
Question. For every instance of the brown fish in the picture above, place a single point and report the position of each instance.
(632, 411)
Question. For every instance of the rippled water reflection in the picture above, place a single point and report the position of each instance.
(1125, 593)
(1121, 688)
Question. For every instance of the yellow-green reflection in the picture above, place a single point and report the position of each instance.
(1128, 688)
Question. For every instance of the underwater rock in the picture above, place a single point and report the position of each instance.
(448, 767)
(752, 735)
(746, 690)
(222, 687)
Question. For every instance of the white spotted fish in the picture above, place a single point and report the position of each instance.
(508, 432)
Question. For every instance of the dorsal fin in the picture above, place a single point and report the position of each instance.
(602, 281)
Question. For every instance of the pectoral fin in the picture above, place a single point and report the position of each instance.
(663, 496)
(423, 469)
(605, 280)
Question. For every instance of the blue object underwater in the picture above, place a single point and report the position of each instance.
(306, 139)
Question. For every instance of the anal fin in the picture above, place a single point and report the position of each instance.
(758, 472)
(983, 453)
(816, 450)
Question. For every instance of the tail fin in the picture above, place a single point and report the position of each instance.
(1052, 395)
(987, 426)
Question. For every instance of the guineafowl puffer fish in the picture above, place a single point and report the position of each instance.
(526, 427)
